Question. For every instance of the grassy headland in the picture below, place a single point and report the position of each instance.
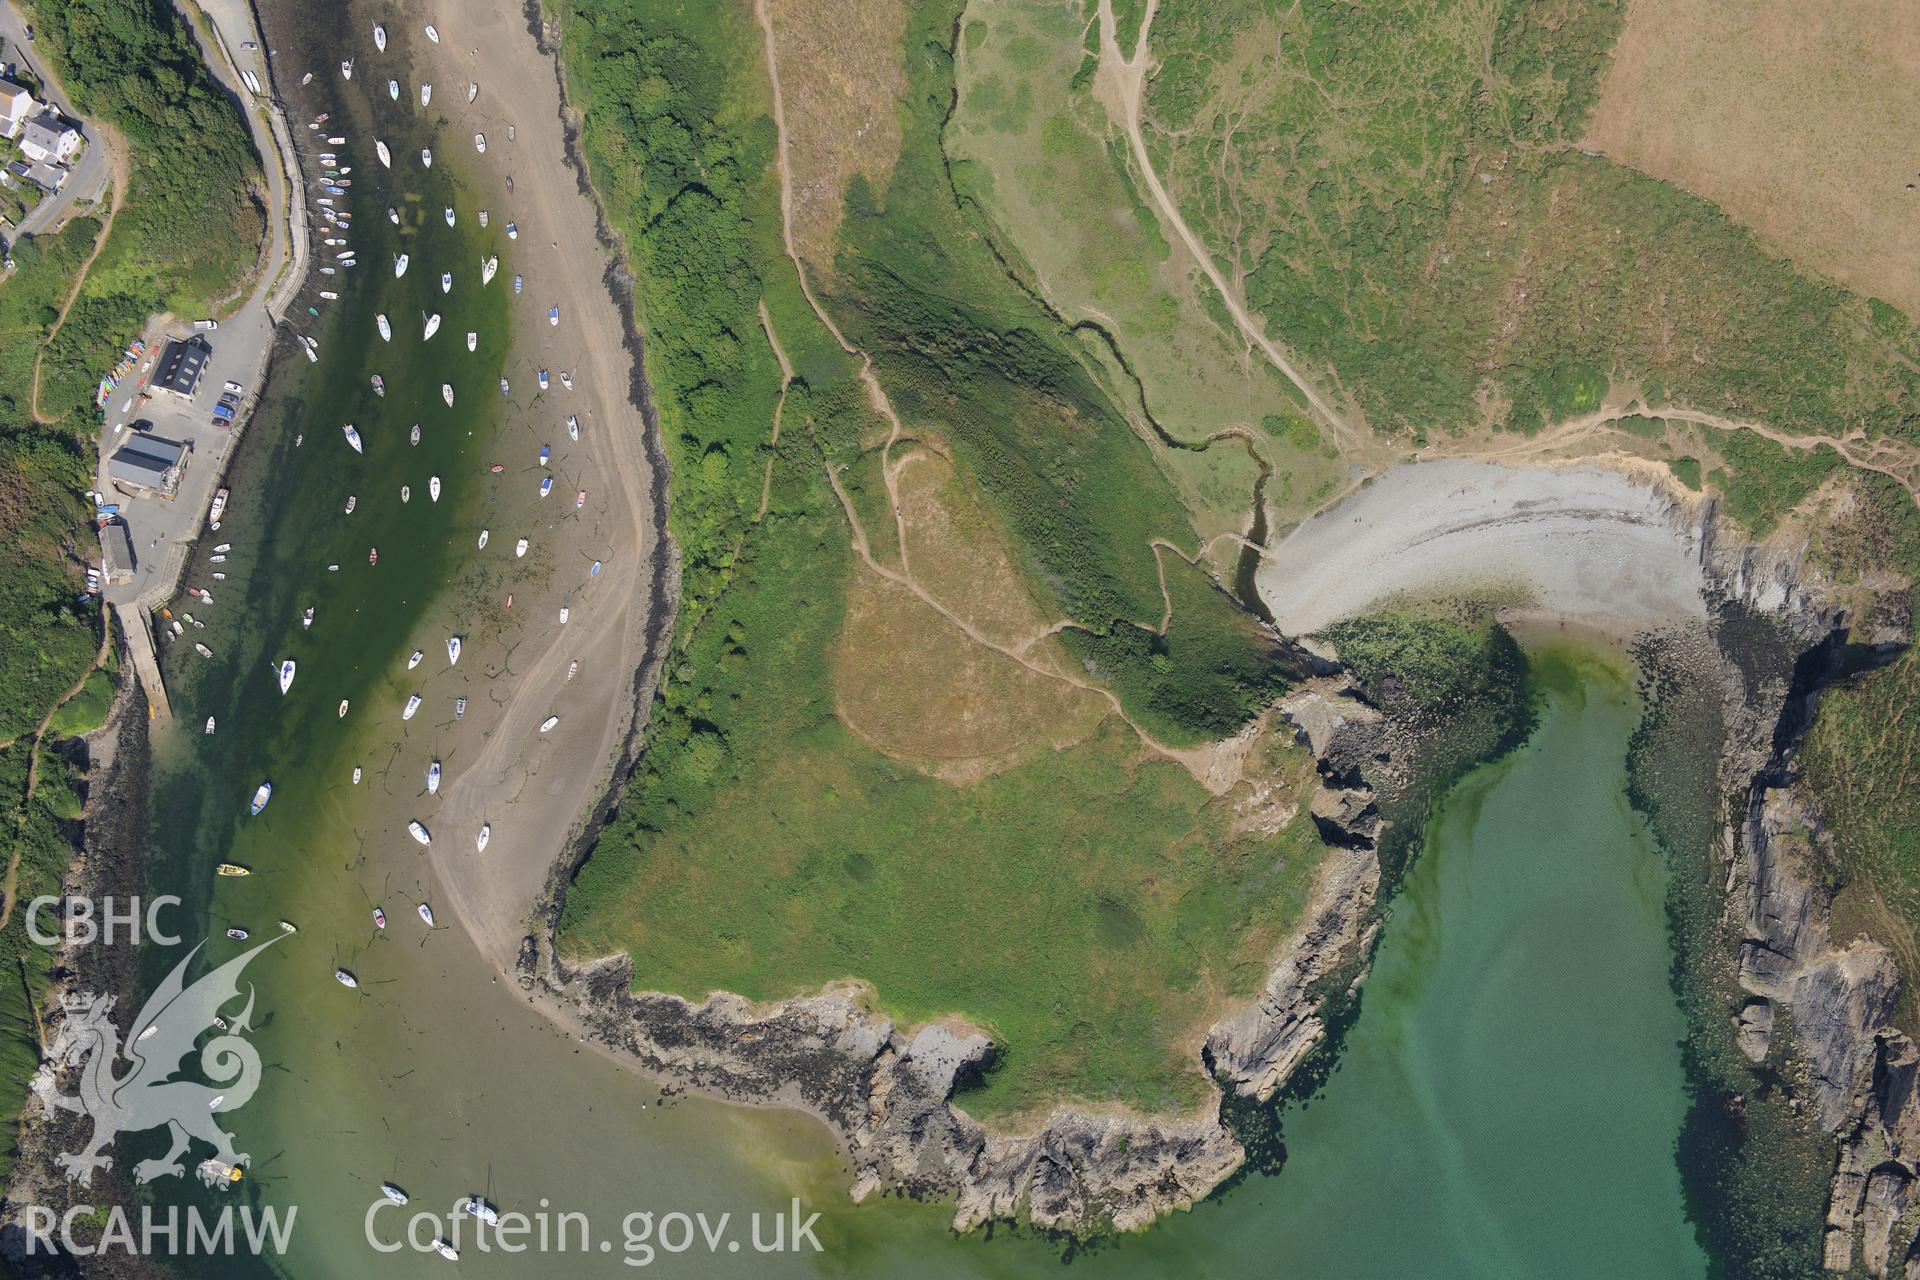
(802, 814)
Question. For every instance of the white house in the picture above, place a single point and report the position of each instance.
(48, 138)
(16, 104)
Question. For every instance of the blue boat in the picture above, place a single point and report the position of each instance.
(260, 798)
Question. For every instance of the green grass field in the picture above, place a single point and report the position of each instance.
(1391, 181)
(1091, 906)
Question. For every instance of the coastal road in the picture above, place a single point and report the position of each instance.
(89, 178)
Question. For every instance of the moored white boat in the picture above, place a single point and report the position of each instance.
(343, 709)
(480, 143)
(564, 614)
(345, 978)
(386, 330)
(433, 487)
(477, 1207)
(473, 91)
(386, 156)
(546, 485)
(426, 157)
(573, 427)
(445, 1249)
(414, 659)
(546, 726)
(399, 266)
(346, 69)
(487, 269)
(261, 795)
(426, 914)
(486, 834)
(446, 393)
(353, 438)
(453, 650)
(483, 540)
(513, 232)
(433, 778)
(380, 43)
(432, 33)
(393, 90)
(426, 94)
(306, 619)
(413, 436)
(393, 1193)
(286, 675)
(449, 215)
(356, 775)
(419, 832)
(446, 282)
(431, 327)
(519, 548)
(352, 500)
(473, 340)
(209, 726)
(413, 705)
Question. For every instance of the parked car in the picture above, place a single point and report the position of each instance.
(234, 388)
(206, 324)
(141, 424)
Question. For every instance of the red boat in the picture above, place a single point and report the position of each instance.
(496, 468)
(379, 918)
(373, 555)
(579, 499)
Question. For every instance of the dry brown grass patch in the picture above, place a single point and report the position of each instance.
(842, 73)
(1800, 121)
(961, 554)
(912, 685)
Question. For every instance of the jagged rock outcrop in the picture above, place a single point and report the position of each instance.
(888, 1096)
(1257, 1049)
(1859, 1074)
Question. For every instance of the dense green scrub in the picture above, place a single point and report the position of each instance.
(190, 226)
(35, 833)
(1086, 906)
(1383, 181)
(965, 352)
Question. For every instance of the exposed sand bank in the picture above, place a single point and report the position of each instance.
(1579, 542)
(536, 789)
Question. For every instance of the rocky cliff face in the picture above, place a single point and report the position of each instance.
(1858, 1076)
(888, 1095)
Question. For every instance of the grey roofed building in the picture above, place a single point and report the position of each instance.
(117, 552)
(148, 462)
(48, 137)
(181, 366)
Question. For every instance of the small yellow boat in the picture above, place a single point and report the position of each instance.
(230, 869)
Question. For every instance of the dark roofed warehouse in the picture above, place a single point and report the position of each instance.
(182, 365)
(148, 462)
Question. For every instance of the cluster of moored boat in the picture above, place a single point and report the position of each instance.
(335, 177)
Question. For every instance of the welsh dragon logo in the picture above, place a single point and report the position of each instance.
(169, 1025)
